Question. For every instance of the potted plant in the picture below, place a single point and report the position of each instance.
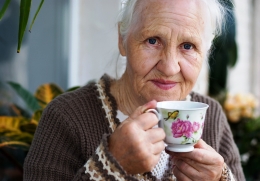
(245, 125)
(18, 124)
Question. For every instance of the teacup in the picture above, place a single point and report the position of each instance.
(182, 122)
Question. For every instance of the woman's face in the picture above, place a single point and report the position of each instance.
(165, 48)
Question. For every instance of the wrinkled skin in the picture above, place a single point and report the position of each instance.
(134, 144)
(165, 49)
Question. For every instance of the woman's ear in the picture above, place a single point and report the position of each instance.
(121, 46)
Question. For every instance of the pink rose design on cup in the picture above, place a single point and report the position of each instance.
(196, 126)
(182, 128)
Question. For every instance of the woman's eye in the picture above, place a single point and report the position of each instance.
(152, 41)
(187, 46)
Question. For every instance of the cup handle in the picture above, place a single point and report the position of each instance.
(154, 111)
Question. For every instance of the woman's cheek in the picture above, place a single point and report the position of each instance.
(190, 56)
(146, 60)
(193, 60)
(190, 69)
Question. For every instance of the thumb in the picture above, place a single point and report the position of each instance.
(201, 144)
(141, 109)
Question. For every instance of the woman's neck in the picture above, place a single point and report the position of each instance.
(126, 100)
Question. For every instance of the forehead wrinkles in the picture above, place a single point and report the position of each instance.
(172, 19)
(168, 27)
(150, 13)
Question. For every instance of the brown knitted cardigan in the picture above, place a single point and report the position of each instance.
(70, 142)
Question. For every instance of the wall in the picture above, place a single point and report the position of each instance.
(239, 76)
(93, 40)
(255, 66)
(48, 44)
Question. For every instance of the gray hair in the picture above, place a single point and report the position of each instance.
(217, 10)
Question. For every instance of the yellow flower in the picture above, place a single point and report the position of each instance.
(239, 106)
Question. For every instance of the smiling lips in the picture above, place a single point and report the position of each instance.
(164, 84)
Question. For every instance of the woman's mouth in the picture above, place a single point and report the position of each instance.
(164, 84)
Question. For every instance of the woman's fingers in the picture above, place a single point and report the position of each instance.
(144, 120)
(158, 147)
(203, 145)
(155, 135)
(135, 144)
(197, 171)
(202, 153)
(180, 175)
(141, 109)
(203, 163)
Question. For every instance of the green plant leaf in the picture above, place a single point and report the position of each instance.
(8, 136)
(46, 93)
(36, 116)
(29, 127)
(25, 6)
(36, 14)
(4, 8)
(12, 123)
(28, 98)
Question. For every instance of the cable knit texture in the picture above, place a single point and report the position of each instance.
(70, 142)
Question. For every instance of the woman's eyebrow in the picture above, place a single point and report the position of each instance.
(189, 36)
(155, 32)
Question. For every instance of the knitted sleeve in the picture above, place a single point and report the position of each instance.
(102, 166)
(56, 153)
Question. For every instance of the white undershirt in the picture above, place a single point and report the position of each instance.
(121, 116)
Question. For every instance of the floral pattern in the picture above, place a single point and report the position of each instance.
(184, 128)
(195, 126)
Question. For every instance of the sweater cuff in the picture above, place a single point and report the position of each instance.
(103, 166)
(227, 174)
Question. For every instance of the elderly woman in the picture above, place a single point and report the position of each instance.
(101, 131)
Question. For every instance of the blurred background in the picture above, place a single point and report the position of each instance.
(75, 41)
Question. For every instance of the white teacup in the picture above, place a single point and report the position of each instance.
(182, 122)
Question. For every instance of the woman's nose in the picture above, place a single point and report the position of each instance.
(169, 63)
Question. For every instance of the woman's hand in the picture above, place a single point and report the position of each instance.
(135, 144)
(202, 164)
